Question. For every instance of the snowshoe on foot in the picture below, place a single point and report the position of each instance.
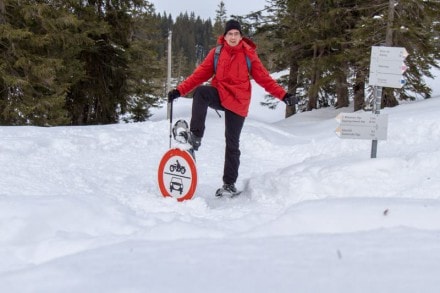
(228, 190)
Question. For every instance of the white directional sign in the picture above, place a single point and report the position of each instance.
(387, 66)
(362, 126)
(396, 67)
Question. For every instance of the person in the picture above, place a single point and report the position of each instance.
(230, 91)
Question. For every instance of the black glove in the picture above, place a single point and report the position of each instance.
(290, 100)
(172, 95)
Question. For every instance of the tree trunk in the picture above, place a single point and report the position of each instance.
(3, 89)
(293, 84)
(359, 90)
(388, 98)
(390, 23)
(314, 88)
(313, 91)
(342, 88)
(2, 12)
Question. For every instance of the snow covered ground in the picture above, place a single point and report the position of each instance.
(80, 209)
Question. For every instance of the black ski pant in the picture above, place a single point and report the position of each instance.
(207, 96)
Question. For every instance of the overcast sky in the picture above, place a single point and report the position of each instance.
(207, 8)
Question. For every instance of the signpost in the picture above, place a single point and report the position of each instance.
(386, 70)
(362, 126)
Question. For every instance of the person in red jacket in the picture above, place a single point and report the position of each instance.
(230, 91)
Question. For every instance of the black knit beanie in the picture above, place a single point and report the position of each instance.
(231, 25)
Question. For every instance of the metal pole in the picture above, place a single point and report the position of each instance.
(376, 110)
(378, 89)
(170, 38)
(170, 107)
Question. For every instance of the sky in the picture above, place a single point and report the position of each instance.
(206, 8)
(81, 210)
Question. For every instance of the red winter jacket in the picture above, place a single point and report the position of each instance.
(232, 77)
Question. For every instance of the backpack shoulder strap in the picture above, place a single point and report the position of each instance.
(217, 54)
(249, 64)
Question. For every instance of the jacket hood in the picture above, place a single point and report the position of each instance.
(221, 41)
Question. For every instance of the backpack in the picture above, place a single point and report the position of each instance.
(217, 54)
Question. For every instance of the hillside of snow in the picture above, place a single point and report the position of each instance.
(80, 209)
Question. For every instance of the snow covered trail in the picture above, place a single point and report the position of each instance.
(80, 209)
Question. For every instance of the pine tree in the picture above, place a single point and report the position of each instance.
(412, 26)
(143, 85)
(415, 29)
(326, 45)
(37, 64)
(220, 20)
(115, 64)
(70, 62)
(184, 45)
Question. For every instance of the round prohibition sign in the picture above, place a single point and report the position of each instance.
(177, 174)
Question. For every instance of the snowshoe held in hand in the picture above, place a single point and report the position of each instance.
(181, 131)
(183, 135)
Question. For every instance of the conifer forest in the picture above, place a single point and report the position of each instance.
(88, 62)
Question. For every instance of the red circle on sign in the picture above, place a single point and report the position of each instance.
(185, 156)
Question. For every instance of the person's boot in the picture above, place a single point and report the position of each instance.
(194, 141)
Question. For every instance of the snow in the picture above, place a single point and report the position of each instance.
(80, 208)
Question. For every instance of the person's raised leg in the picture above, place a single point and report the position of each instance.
(204, 97)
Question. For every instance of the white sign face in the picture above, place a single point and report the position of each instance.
(387, 66)
(397, 67)
(386, 80)
(389, 53)
(362, 126)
